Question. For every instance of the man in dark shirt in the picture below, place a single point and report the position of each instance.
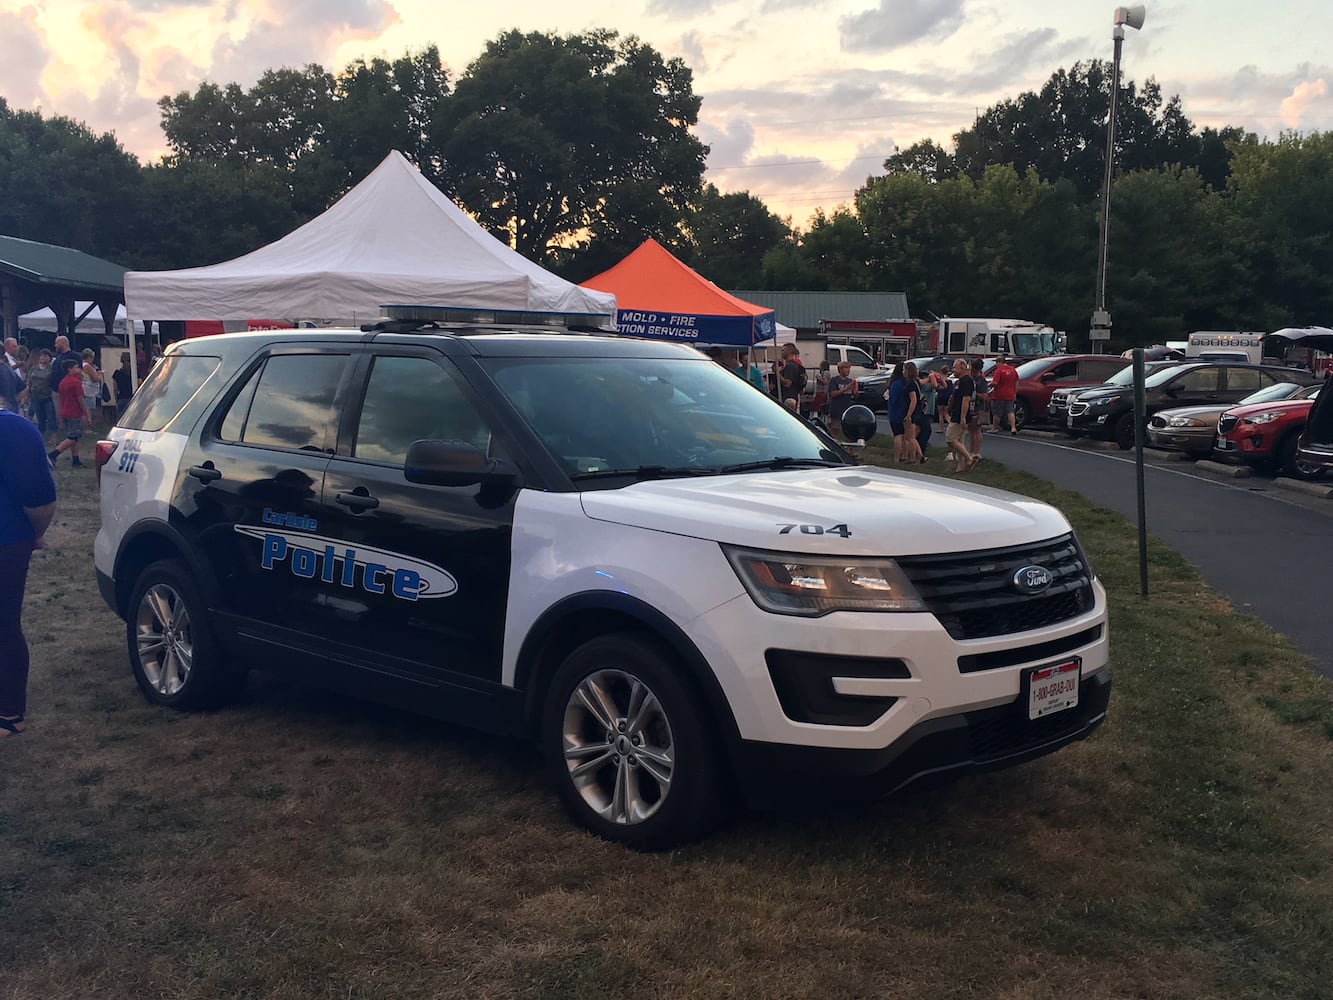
(792, 375)
(27, 504)
(124, 384)
(960, 407)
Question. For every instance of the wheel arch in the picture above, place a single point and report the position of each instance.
(150, 542)
(580, 617)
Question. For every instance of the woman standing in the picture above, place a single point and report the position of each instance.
(27, 504)
(900, 401)
(92, 384)
(911, 447)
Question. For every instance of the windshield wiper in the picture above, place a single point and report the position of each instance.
(782, 462)
(645, 472)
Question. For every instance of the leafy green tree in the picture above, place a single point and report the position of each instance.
(1060, 131)
(925, 158)
(543, 134)
(61, 183)
(1172, 266)
(204, 213)
(323, 132)
(1279, 201)
(728, 236)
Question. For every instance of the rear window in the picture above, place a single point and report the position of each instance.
(170, 385)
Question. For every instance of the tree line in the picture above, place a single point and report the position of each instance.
(573, 149)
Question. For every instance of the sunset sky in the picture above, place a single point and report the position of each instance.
(802, 99)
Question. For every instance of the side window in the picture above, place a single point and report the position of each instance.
(1065, 372)
(1198, 380)
(411, 399)
(860, 358)
(287, 403)
(1245, 379)
(1099, 371)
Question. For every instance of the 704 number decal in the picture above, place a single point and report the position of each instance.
(815, 529)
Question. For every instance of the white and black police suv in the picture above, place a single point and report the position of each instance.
(688, 596)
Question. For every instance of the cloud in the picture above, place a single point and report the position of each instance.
(23, 57)
(895, 23)
(1294, 107)
(777, 6)
(692, 48)
(313, 28)
(676, 9)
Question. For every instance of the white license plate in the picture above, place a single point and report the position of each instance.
(1052, 688)
(1224, 445)
(1069, 418)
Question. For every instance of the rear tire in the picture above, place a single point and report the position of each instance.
(173, 654)
(629, 745)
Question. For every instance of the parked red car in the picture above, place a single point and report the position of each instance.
(1040, 377)
(1265, 434)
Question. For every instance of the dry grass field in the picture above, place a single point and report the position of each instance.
(301, 845)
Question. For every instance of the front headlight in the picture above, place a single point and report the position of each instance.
(1261, 418)
(1185, 422)
(1103, 401)
(787, 583)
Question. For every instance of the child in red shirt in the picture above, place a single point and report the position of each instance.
(74, 415)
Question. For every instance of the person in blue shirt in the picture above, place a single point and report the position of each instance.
(27, 504)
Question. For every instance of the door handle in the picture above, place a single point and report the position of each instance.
(358, 500)
(204, 473)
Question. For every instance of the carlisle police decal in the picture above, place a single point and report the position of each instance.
(375, 571)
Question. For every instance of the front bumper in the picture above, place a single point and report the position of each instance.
(1191, 440)
(1320, 455)
(1091, 422)
(931, 752)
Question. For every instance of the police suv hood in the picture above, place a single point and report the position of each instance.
(885, 512)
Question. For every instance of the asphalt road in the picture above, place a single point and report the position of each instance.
(1268, 551)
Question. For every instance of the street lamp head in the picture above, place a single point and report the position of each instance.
(1131, 16)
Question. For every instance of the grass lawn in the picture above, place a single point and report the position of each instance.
(301, 845)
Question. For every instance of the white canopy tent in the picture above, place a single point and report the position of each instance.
(782, 334)
(394, 239)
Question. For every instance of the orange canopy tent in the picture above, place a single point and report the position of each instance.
(662, 299)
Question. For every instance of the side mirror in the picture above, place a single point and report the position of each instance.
(858, 423)
(455, 463)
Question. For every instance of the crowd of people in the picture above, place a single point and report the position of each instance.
(62, 392)
(966, 403)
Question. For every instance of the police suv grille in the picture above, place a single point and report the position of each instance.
(974, 596)
(996, 733)
(1226, 422)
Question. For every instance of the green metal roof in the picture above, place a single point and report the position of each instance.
(45, 264)
(804, 310)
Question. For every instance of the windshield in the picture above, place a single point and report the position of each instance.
(1282, 390)
(1031, 369)
(1160, 378)
(673, 416)
(1033, 343)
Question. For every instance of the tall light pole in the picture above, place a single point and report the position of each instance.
(1101, 318)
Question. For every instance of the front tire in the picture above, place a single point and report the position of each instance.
(1123, 435)
(1290, 465)
(1022, 414)
(172, 652)
(629, 745)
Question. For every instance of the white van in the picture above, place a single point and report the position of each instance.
(1225, 345)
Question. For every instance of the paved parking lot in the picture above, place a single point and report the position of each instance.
(1264, 545)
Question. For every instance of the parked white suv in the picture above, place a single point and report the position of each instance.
(684, 593)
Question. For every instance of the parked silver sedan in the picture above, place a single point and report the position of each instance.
(1193, 429)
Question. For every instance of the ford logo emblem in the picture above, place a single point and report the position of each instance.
(1032, 579)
